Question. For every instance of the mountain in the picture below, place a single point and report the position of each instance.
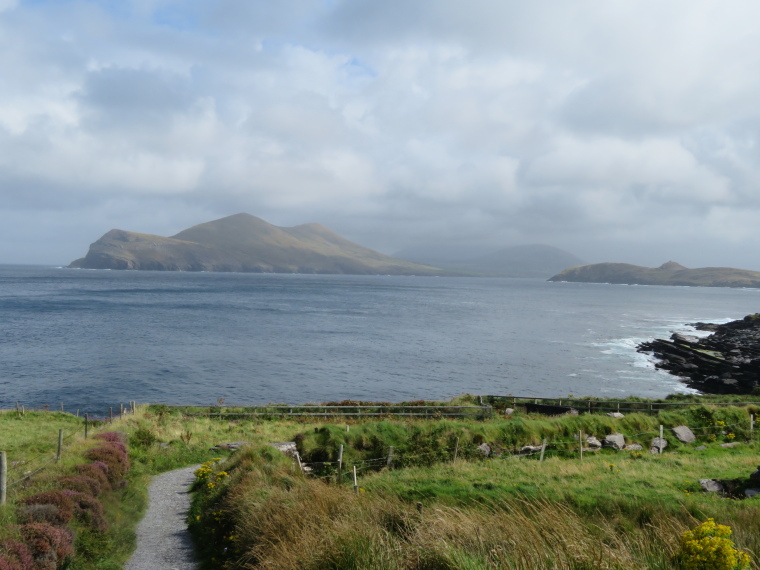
(670, 273)
(247, 244)
(534, 260)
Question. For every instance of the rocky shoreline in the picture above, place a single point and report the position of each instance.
(726, 362)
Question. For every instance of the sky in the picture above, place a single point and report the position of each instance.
(618, 130)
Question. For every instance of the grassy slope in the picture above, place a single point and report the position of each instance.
(623, 273)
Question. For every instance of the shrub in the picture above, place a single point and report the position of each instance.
(115, 458)
(41, 513)
(50, 546)
(89, 510)
(97, 471)
(112, 436)
(15, 555)
(142, 437)
(81, 483)
(63, 504)
(708, 547)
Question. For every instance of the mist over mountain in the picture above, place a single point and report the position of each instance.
(535, 260)
(247, 244)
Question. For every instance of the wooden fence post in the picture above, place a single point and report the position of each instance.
(61, 407)
(86, 422)
(110, 415)
(356, 485)
(60, 445)
(543, 448)
(3, 476)
(340, 463)
(661, 441)
(389, 461)
(456, 450)
(752, 426)
(580, 444)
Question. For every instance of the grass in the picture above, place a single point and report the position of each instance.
(611, 510)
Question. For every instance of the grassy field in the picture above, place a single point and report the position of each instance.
(443, 504)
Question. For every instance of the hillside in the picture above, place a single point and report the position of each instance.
(247, 244)
(670, 273)
(535, 260)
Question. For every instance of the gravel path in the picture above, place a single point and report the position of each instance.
(163, 541)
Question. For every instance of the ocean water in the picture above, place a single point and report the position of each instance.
(94, 339)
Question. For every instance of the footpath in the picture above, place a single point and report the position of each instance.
(163, 540)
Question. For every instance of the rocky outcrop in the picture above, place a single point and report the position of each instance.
(726, 362)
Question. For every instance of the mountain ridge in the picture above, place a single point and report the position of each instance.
(247, 244)
(669, 273)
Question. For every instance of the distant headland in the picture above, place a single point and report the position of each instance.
(246, 244)
(670, 273)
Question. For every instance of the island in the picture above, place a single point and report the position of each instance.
(725, 362)
(246, 244)
(670, 273)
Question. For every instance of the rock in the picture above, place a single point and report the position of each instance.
(614, 440)
(615, 415)
(286, 447)
(700, 448)
(509, 411)
(633, 447)
(711, 485)
(658, 444)
(485, 449)
(755, 476)
(232, 446)
(684, 434)
(528, 449)
(749, 493)
(730, 445)
(593, 443)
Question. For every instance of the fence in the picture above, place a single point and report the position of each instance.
(578, 445)
(603, 406)
(363, 411)
(13, 473)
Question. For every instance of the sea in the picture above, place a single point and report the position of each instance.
(91, 340)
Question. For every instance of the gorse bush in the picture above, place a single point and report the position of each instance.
(708, 547)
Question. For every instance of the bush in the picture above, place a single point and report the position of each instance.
(88, 510)
(49, 546)
(113, 457)
(64, 507)
(112, 436)
(81, 484)
(708, 547)
(15, 555)
(97, 471)
(142, 438)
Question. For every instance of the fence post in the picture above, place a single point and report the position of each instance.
(300, 465)
(543, 448)
(389, 461)
(3, 476)
(356, 485)
(60, 445)
(580, 444)
(86, 422)
(661, 440)
(752, 426)
(340, 462)
(456, 450)
(110, 415)
(61, 406)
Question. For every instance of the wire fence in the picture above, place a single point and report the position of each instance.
(579, 444)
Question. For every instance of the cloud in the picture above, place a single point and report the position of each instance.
(602, 127)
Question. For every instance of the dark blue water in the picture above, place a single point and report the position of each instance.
(94, 339)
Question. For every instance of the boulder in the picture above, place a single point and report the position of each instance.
(509, 411)
(614, 440)
(749, 493)
(593, 443)
(711, 485)
(633, 447)
(528, 449)
(615, 415)
(700, 448)
(684, 434)
(729, 445)
(659, 444)
(485, 449)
